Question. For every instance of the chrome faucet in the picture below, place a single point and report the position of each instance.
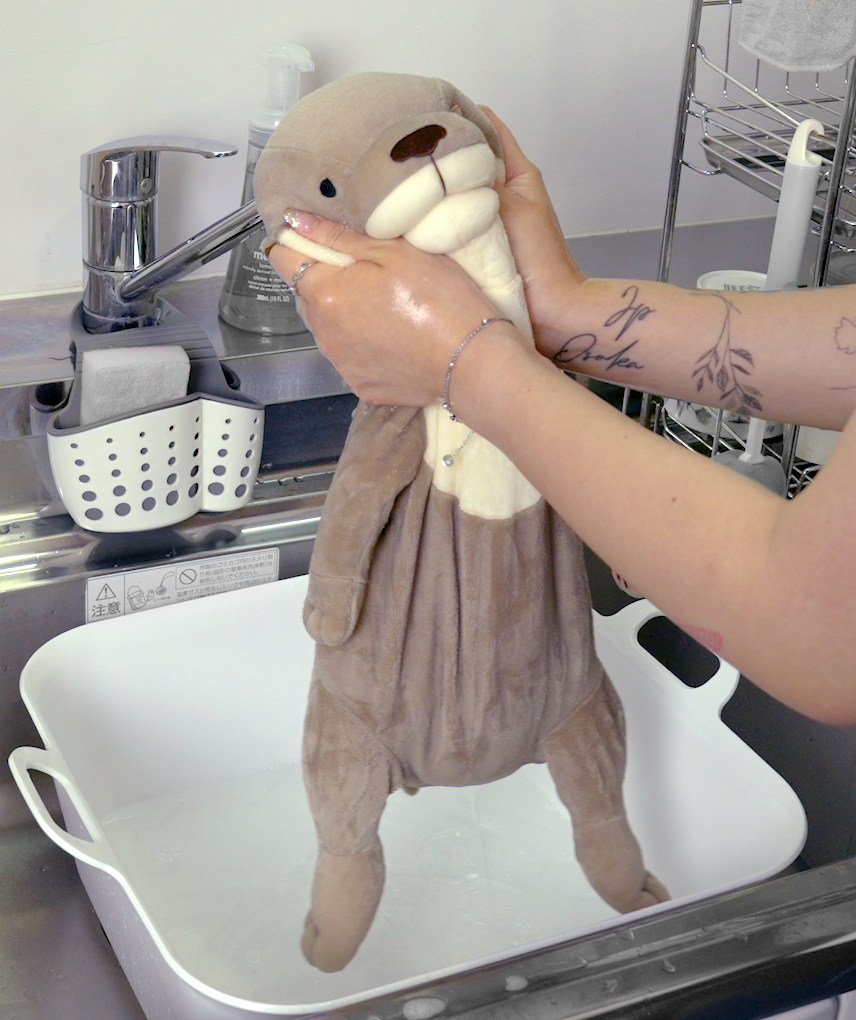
(119, 182)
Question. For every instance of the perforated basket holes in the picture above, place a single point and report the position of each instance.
(233, 442)
(137, 473)
(159, 467)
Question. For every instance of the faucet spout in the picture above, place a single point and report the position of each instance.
(196, 251)
(119, 183)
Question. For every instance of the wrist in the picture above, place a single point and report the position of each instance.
(489, 371)
(574, 302)
(484, 324)
(564, 295)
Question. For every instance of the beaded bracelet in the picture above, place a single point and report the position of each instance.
(454, 358)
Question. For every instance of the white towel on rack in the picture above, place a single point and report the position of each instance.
(800, 35)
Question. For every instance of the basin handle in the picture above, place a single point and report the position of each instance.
(622, 629)
(98, 852)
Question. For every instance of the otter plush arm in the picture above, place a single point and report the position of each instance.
(356, 510)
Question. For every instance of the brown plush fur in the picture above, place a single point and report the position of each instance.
(452, 648)
(344, 132)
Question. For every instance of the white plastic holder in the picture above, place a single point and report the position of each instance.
(159, 466)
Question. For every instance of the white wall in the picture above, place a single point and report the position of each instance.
(589, 86)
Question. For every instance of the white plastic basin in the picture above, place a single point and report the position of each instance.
(174, 739)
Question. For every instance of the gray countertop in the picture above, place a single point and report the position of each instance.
(34, 345)
(57, 962)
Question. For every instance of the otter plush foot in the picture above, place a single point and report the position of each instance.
(586, 757)
(345, 895)
(347, 776)
(611, 858)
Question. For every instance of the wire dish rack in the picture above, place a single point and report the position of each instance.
(743, 113)
(669, 422)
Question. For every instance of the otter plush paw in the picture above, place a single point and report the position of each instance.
(332, 608)
(654, 888)
(612, 861)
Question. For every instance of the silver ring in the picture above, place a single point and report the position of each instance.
(298, 276)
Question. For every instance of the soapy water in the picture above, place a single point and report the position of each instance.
(225, 870)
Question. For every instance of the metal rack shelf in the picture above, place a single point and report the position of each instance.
(724, 438)
(745, 113)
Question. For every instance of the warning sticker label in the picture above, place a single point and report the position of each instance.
(134, 591)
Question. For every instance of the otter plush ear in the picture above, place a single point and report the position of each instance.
(459, 103)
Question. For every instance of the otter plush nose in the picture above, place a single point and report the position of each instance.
(421, 142)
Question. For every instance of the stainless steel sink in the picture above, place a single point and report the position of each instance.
(55, 961)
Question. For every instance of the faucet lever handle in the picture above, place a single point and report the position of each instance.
(119, 181)
(126, 170)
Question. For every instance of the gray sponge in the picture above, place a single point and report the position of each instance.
(118, 381)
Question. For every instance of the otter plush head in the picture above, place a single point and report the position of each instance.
(345, 151)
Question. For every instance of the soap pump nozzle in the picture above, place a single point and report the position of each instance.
(284, 65)
(254, 299)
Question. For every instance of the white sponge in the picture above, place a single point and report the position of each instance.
(120, 380)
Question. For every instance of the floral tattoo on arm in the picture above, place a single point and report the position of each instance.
(728, 368)
(845, 341)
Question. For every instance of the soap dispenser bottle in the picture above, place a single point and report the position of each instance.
(254, 298)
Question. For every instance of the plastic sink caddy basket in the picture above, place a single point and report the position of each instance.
(176, 757)
(161, 464)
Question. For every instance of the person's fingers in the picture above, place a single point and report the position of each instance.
(305, 239)
(337, 243)
(289, 264)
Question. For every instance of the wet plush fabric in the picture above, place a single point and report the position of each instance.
(452, 650)
(448, 601)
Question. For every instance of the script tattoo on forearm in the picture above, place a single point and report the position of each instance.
(728, 368)
(586, 347)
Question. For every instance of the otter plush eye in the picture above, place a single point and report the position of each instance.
(327, 188)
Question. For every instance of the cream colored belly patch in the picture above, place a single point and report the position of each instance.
(482, 478)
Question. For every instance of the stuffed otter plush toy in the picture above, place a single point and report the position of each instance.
(449, 602)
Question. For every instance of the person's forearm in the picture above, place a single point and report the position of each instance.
(711, 549)
(784, 357)
(769, 580)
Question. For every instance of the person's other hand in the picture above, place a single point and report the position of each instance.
(548, 269)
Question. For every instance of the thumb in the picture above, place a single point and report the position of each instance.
(322, 240)
(516, 163)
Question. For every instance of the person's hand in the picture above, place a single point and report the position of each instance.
(549, 272)
(390, 321)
